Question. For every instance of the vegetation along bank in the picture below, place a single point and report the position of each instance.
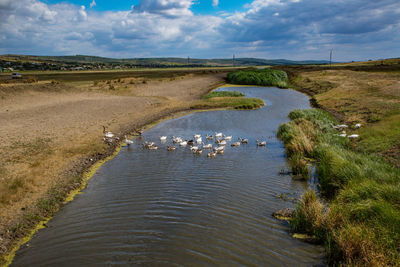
(261, 77)
(356, 212)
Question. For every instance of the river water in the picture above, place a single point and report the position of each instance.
(174, 208)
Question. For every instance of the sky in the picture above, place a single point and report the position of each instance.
(271, 29)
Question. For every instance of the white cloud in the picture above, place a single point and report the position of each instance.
(82, 16)
(93, 4)
(269, 28)
(215, 2)
(173, 8)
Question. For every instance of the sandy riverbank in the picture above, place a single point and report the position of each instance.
(51, 130)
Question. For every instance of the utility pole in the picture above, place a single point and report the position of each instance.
(188, 60)
(233, 60)
(330, 58)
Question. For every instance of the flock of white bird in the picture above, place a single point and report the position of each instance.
(197, 145)
(342, 128)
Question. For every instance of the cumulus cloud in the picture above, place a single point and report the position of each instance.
(172, 8)
(294, 29)
(93, 4)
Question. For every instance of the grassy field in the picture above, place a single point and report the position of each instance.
(147, 73)
(357, 216)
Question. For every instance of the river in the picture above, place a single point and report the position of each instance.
(174, 208)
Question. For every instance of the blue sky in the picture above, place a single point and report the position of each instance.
(199, 7)
(291, 29)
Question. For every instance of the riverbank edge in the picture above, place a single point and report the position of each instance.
(336, 215)
(86, 172)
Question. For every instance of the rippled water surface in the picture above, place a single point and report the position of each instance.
(173, 208)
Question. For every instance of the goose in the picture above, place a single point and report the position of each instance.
(194, 148)
(139, 132)
(208, 146)
(358, 125)
(171, 148)
(183, 143)
(222, 142)
(216, 149)
(218, 134)
(107, 134)
(220, 152)
(235, 144)
(243, 141)
(196, 136)
(209, 137)
(340, 127)
(163, 138)
(353, 136)
(228, 138)
(211, 154)
(176, 139)
(198, 151)
(190, 142)
(262, 143)
(127, 141)
(148, 144)
(153, 147)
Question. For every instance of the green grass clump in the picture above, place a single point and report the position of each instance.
(264, 77)
(230, 102)
(223, 94)
(360, 224)
(229, 99)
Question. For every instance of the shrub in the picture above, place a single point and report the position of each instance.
(264, 77)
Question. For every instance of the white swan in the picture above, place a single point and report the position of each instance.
(218, 134)
(196, 136)
(194, 148)
(199, 140)
(163, 138)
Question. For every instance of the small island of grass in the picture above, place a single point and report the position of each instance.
(229, 99)
(223, 94)
(263, 77)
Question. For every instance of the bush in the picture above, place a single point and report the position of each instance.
(264, 77)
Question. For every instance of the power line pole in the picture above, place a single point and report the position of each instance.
(233, 60)
(188, 60)
(330, 58)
